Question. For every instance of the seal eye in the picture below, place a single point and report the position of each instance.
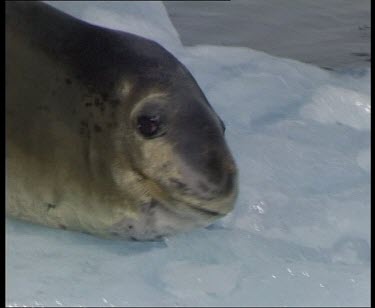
(149, 126)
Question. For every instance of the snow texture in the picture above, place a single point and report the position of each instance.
(300, 231)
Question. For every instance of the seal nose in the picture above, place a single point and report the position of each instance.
(225, 181)
(215, 179)
(229, 178)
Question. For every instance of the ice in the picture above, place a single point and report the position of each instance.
(364, 159)
(200, 280)
(333, 105)
(300, 231)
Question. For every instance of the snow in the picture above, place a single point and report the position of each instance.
(300, 231)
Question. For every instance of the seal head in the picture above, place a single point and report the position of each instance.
(180, 155)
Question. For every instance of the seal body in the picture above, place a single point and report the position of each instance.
(107, 132)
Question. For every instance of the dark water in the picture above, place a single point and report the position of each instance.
(332, 34)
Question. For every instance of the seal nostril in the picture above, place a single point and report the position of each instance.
(229, 183)
(213, 161)
(230, 167)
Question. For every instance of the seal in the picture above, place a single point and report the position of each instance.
(107, 132)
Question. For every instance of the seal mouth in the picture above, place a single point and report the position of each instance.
(206, 211)
(166, 199)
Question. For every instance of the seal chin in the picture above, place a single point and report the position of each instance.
(156, 220)
(167, 214)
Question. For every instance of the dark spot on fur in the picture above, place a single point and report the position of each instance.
(98, 102)
(97, 128)
(84, 129)
(112, 125)
(114, 102)
(51, 206)
(114, 233)
(130, 227)
(68, 81)
(166, 167)
(61, 226)
(84, 123)
(105, 96)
